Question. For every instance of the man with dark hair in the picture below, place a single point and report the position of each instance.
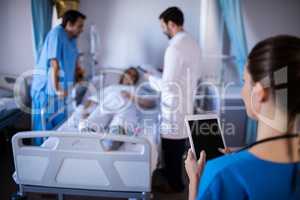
(57, 68)
(174, 15)
(170, 18)
(71, 16)
(181, 67)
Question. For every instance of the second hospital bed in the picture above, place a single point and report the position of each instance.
(9, 111)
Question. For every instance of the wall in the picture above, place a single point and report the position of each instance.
(130, 31)
(16, 46)
(270, 17)
(139, 39)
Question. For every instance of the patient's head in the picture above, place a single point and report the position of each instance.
(130, 76)
(271, 81)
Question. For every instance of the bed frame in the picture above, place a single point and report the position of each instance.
(77, 165)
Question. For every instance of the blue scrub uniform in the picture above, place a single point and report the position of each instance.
(59, 46)
(244, 176)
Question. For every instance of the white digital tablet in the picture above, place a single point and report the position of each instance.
(205, 133)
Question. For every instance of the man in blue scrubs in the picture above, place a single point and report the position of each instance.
(56, 70)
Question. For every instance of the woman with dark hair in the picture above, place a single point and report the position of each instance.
(269, 168)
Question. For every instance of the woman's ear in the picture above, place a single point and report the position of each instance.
(260, 93)
(258, 96)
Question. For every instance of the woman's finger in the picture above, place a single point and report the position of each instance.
(225, 151)
(222, 150)
(201, 163)
(202, 158)
(190, 155)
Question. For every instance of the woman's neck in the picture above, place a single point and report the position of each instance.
(265, 131)
(282, 151)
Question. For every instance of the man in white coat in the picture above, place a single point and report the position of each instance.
(177, 87)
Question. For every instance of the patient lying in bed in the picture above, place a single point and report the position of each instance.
(114, 110)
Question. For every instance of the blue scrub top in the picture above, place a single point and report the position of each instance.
(59, 46)
(245, 176)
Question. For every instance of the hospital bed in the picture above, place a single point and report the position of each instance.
(70, 162)
(9, 111)
(76, 165)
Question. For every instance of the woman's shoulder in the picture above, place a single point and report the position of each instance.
(224, 167)
(233, 176)
(229, 160)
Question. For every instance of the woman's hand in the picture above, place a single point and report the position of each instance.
(194, 171)
(225, 151)
(193, 168)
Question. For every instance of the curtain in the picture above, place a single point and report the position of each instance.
(41, 11)
(233, 18)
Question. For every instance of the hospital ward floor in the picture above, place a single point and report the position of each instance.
(8, 187)
(156, 196)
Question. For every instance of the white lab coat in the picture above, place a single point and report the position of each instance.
(178, 84)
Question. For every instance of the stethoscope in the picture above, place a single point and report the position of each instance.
(285, 136)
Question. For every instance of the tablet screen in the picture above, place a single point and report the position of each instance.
(206, 135)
